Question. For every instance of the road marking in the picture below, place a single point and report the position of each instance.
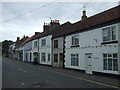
(22, 70)
(80, 78)
(50, 82)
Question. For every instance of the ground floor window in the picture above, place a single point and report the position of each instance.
(48, 56)
(56, 58)
(61, 56)
(30, 56)
(26, 56)
(43, 57)
(110, 62)
(74, 59)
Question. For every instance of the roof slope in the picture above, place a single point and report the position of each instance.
(62, 29)
(98, 19)
(101, 18)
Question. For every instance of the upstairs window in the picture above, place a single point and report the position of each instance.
(55, 43)
(35, 44)
(109, 34)
(75, 40)
(43, 42)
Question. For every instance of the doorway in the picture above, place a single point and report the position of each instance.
(35, 57)
(88, 63)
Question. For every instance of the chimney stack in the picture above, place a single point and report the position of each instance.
(37, 33)
(18, 38)
(84, 15)
(46, 27)
(24, 36)
(54, 23)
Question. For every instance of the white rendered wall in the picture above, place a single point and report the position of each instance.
(88, 41)
(45, 49)
(119, 46)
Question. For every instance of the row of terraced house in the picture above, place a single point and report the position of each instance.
(90, 44)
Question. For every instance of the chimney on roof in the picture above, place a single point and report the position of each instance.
(18, 38)
(46, 27)
(54, 23)
(37, 33)
(84, 14)
(24, 36)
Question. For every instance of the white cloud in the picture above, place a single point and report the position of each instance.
(33, 22)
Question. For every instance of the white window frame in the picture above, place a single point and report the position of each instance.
(43, 42)
(75, 40)
(74, 59)
(48, 56)
(110, 61)
(43, 57)
(35, 44)
(109, 34)
(56, 58)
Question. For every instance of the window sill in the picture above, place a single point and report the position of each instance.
(109, 42)
(74, 46)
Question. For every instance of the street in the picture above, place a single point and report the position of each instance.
(18, 74)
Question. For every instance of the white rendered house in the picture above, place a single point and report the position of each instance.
(93, 44)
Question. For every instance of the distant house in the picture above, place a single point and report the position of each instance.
(28, 48)
(58, 44)
(14, 50)
(45, 42)
(92, 44)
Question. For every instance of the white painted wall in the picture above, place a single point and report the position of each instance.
(86, 39)
(45, 49)
(119, 46)
(34, 49)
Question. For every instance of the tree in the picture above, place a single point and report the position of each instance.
(5, 46)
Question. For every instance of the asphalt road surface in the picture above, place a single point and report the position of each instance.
(18, 74)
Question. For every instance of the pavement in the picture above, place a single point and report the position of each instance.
(18, 74)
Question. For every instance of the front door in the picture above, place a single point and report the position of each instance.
(88, 63)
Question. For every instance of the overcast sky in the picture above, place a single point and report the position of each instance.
(17, 20)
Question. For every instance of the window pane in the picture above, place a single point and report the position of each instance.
(55, 43)
(43, 57)
(115, 55)
(105, 64)
(106, 34)
(113, 33)
(75, 40)
(109, 64)
(48, 57)
(109, 55)
(105, 55)
(61, 56)
(43, 42)
(115, 65)
(74, 60)
(56, 58)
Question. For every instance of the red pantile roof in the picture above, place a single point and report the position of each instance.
(31, 38)
(68, 28)
(62, 29)
(98, 19)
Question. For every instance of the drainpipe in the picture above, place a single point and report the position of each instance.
(64, 51)
(52, 52)
(38, 52)
(119, 48)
